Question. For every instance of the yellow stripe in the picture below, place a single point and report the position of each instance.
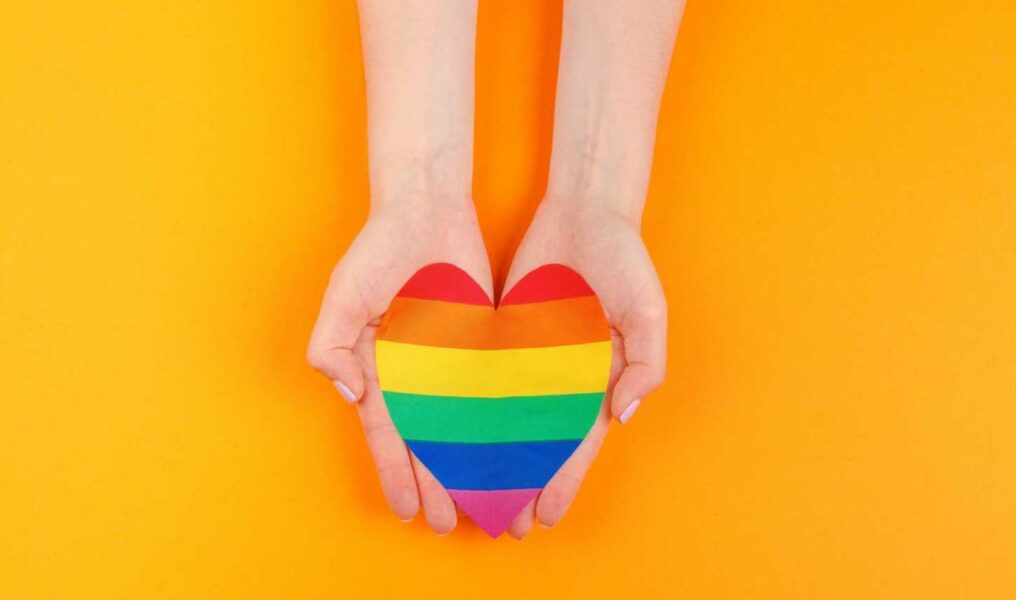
(434, 371)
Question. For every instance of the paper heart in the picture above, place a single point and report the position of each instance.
(493, 401)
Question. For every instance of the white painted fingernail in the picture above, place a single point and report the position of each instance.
(345, 391)
(628, 412)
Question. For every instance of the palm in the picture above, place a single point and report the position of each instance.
(608, 252)
(604, 249)
(389, 249)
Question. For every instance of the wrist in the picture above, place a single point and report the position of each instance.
(435, 181)
(415, 202)
(428, 215)
(598, 181)
(582, 204)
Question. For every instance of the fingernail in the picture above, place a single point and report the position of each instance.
(628, 412)
(409, 520)
(345, 391)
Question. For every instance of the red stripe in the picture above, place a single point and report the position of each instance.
(549, 282)
(445, 282)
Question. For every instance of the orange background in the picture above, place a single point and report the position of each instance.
(831, 213)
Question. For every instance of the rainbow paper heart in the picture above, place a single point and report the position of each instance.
(494, 401)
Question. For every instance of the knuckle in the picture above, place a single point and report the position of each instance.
(653, 374)
(555, 499)
(317, 358)
(380, 429)
(564, 485)
(656, 377)
(654, 311)
(658, 371)
(394, 474)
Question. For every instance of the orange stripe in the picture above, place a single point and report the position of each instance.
(536, 325)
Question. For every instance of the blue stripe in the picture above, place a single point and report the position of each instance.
(506, 466)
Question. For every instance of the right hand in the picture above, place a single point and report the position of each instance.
(396, 241)
(603, 245)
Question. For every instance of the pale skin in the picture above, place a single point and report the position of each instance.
(418, 62)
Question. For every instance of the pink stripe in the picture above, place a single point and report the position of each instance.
(493, 510)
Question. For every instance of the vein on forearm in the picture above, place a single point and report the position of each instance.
(418, 63)
(614, 60)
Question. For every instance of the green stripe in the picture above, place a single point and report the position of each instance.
(493, 420)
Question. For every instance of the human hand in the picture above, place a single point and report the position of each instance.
(397, 240)
(605, 247)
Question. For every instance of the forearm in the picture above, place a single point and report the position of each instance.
(614, 60)
(418, 61)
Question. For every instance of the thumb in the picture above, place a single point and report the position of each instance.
(644, 332)
(342, 317)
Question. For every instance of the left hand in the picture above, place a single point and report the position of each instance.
(401, 236)
(605, 247)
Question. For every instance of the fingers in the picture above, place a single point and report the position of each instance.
(557, 496)
(340, 365)
(390, 454)
(560, 491)
(523, 522)
(438, 507)
(342, 317)
(645, 356)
